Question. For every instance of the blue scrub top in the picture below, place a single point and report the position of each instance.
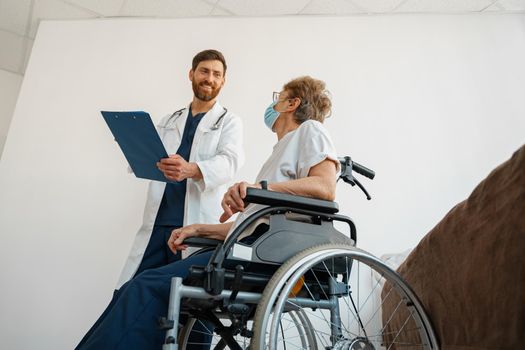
(171, 210)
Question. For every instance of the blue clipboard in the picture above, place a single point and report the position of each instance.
(139, 141)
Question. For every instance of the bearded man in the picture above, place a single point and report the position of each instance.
(204, 143)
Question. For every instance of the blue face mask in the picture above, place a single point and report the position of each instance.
(270, 116)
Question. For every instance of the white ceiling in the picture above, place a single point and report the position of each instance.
(19, 19)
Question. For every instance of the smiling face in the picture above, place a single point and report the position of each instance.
(207, 79)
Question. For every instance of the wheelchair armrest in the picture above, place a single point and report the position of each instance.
(272, 198)
(202, 242)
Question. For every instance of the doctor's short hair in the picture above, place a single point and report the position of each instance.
(208, 55)
(315, 99)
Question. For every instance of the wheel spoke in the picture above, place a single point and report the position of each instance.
(376, 306)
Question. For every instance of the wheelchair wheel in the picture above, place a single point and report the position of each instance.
(352, 301)
(298, 321)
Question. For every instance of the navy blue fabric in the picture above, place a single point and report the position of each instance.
(157, 252)
(116, 295)
(130, 129)
(171, 210)
(130, 320)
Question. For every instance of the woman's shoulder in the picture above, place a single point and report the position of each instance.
(312, 128)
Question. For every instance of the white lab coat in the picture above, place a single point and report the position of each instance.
(218, 151)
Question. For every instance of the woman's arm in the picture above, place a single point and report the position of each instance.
(320, 183)
(213, 231)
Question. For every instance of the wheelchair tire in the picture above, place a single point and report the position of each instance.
(389, 316)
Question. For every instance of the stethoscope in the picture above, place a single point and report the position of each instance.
(178, 113)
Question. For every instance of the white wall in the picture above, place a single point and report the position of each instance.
(9, 88)
(432, 103)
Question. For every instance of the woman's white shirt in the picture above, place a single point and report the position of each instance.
(292, 158)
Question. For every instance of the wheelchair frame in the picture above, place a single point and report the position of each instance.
(323, 242)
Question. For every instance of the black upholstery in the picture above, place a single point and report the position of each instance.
(272, 198)
(202, 242)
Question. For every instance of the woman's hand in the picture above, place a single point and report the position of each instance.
(180, 234)
(233, 200)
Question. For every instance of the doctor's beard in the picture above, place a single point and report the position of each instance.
(204, 95)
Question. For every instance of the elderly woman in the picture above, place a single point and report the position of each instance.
(303, 162)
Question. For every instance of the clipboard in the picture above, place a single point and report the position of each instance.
(139, 141)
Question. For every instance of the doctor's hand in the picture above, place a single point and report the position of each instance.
(180, 234)
(232, 201)
(176, 168)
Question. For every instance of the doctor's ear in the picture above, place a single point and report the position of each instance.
(190, 74)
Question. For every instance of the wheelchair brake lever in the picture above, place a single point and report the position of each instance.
(362, 189)
(349, 179)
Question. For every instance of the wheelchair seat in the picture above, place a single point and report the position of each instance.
(293, 224)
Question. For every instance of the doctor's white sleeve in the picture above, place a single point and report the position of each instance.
(228, 159)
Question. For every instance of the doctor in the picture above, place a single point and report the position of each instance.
(204, 141)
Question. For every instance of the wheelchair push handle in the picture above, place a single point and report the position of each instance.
(347, 166)
(361, 169)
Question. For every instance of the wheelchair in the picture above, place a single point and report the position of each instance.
(300, 284)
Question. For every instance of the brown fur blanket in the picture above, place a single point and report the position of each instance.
(469, 270)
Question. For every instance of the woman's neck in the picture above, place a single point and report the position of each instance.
(285, 125)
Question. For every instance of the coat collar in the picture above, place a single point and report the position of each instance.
(206, 124)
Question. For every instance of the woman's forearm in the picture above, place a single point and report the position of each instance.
(214, 231)
(312, 186)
